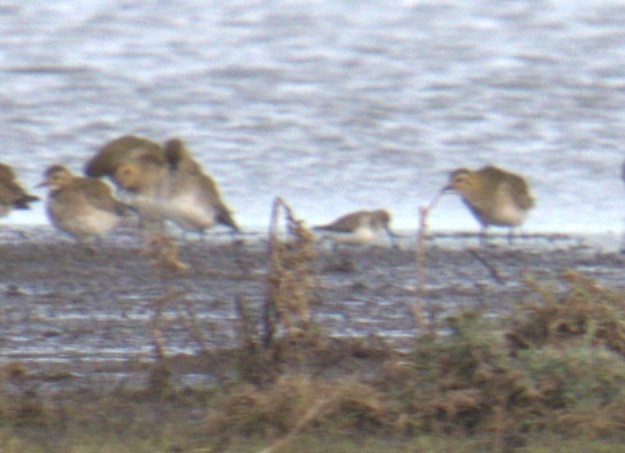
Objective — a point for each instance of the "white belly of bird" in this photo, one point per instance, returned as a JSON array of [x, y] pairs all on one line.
[[508, 214], [189, 213], [360, 235], [149, 212], [92, 222], [506, 211]]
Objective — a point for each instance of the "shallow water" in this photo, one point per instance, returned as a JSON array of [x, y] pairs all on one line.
[[63, 304], [333, 105]]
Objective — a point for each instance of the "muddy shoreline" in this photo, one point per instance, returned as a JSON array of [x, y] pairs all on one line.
[[74, 317]]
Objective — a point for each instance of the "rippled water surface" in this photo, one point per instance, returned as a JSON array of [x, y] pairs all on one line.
[[334, 105], [63, 304]]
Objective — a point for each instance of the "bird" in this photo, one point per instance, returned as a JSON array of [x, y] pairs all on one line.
[[493, 195], [191, 198], [82, 207], [143, 184], [358, 227], [12, 195], [163, 183], [137, 166], [121, 149]]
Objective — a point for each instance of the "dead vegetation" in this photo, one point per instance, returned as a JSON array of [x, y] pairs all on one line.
[[289, 277], [552, 366], [285, 334], [583, 310]]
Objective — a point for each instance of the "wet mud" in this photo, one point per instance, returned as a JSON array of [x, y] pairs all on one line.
[[74, 316]]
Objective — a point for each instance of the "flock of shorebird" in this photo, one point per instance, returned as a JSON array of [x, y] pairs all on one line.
[[159, 183]]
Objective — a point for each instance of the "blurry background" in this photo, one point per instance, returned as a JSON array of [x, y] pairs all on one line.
[[333, 105]]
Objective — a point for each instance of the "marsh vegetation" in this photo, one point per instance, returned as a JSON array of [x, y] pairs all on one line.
[[542, 371]]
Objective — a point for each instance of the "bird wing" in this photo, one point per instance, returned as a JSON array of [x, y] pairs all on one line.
[[177, 156], [99, 194], [346, 223], [520, 191], [126, 147], [492, 174], [519, 188]]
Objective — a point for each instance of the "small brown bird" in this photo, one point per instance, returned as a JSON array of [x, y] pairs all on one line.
[[192, 198], [81, 207], [12, 196], [359, 227], [494, 196]]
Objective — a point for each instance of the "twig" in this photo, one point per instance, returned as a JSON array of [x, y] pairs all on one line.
[[164, 260], [308, 417], [269, 308], [244, 325], [188, 319], [157, 334], [417, 306], [491, 269]]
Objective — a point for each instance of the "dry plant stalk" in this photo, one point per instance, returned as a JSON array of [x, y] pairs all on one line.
[[157, 341], [244, 323], [311, 415], [164, 254], [417, 306], [164, 259], [492, 270], [188, 319], [289, 282], [155, 324]]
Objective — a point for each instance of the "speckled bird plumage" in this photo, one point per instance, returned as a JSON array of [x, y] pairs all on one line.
[[81, 207], [494, 196]]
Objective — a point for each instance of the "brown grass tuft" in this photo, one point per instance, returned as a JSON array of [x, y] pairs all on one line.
[[289, 278], [164, 254], [284, 332], [298, 403], [582, 309]]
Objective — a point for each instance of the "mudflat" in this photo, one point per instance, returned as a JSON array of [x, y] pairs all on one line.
[[74, 316]]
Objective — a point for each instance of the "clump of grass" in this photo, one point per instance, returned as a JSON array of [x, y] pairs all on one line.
[[583, 309], [298, 403], [285, 330], [579, 388], [461, 383], [555, 365], [289, 278]]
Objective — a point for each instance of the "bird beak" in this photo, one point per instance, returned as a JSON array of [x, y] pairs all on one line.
[[43, 183], [447, 189]]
